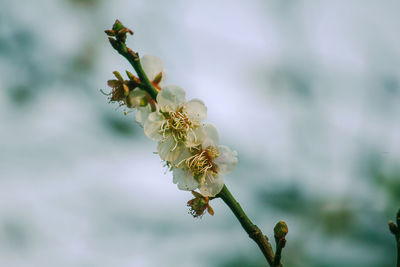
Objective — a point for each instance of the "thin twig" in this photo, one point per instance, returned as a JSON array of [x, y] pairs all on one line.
[[118, 43], [117, 40], [251, 229], [395, 230], [278, 253]]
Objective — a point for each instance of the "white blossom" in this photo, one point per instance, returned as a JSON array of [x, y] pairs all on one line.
[[176, 122], [202, 166]]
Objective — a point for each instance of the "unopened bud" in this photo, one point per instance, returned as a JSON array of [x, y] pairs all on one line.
[[393, 228], [280, 230], [117, 26]]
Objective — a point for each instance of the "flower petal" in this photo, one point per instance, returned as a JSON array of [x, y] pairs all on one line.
[[169, 150], [142, 115], [137, 98], [212, 186], [227, 159], [184, 179], [210, 136], [193, 138], [170, 97], [153, 124], [196, 110], [185, 154], [152, 66]]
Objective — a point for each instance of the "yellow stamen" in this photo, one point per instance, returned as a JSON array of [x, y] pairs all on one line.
[[202, 162], [178, 124]]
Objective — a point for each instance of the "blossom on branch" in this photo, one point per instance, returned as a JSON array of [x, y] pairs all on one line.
[[202, 166], [176, 123]]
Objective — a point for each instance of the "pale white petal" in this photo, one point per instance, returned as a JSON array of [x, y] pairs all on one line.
[[210, 137], [227, 159], [142, 114], [136, 98], [169, 150], [184, 179], [212, 185], [196, 110], [152, 66], [194, 137], [183, 156], [170, 97], [153, 125]]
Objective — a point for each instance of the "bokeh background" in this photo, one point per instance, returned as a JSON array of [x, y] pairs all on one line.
[[307, 92]]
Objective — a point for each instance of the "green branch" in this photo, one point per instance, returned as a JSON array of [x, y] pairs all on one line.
[[395, 230], [117, 38], [251, 229]]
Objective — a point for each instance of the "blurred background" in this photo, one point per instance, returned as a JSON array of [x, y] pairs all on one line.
[[307, 92]]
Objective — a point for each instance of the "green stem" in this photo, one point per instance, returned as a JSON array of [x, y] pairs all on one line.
[[395, 230], [251, 229], [397, 236], [278, 252], [134, 60]]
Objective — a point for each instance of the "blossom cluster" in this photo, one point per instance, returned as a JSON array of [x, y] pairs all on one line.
[[188, 145]]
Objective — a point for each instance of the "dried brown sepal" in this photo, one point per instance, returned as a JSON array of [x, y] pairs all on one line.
[[134, 54], [121, 87], [118, 76], [110, 32], [210, 210], [126, 89], [132, 77], [199, 205], [119, 31], [158, 78]]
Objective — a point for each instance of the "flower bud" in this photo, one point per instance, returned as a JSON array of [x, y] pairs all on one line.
[[280, 230], [393, 228]]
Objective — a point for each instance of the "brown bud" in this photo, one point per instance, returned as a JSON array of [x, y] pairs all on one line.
[[393, 228], [117, 26], [280, 230]]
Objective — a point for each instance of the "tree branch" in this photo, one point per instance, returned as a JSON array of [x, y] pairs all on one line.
[[251, 229], [395, 230], [117, 38]]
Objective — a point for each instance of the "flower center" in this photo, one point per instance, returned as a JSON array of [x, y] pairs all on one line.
[[202, 161], [178, 124]]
